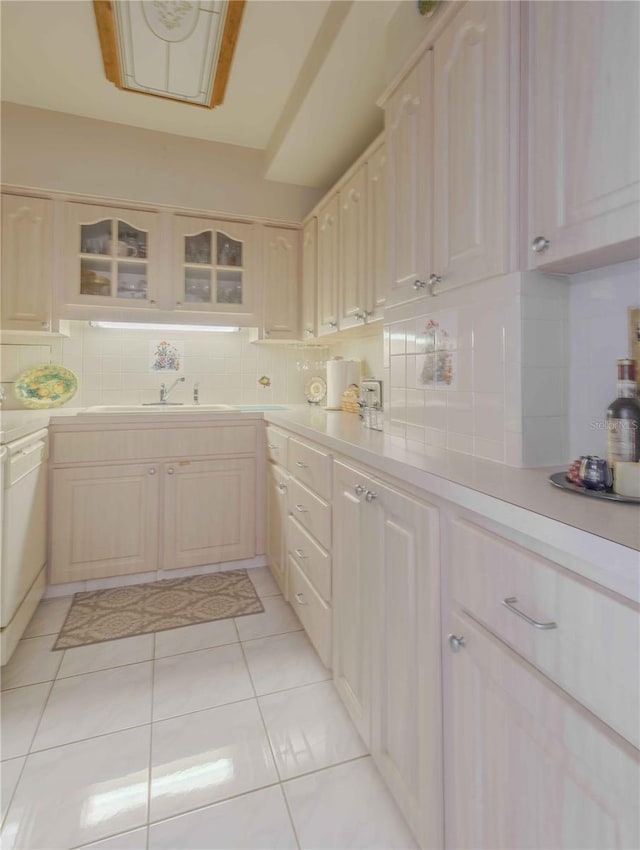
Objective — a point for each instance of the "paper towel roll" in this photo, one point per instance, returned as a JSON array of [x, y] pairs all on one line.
[[340, 373]]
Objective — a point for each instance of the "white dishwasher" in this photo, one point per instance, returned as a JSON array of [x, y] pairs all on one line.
[[23, 553]]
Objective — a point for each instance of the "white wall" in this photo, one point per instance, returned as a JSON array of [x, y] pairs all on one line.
[[67, 153], [598, 322]]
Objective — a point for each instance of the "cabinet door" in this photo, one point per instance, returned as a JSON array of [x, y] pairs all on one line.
[[408, 137], [209, 512], [377, 275], [352, 579], [276, 524], [104, 521], [112, 257], [406, 726], [471, 145], [26, 263], [327, 294], [281, 282], [584, 126], [353, 249], [213, 266], [526, 766], [309, 277]]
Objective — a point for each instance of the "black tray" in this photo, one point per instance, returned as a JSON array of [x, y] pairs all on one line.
[[559, 479]]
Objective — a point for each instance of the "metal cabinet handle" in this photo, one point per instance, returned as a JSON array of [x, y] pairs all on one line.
[[435, 278], [273, 448], [300, 599], [151, 470], [301, 465], [299, 553], [308, 332], [359, 489], [419, 284], [509, 603], [151, 303], [170, 471], [540, 244], [456, 643], [282, 487], [371, 495], [301, 509], [333, 324]]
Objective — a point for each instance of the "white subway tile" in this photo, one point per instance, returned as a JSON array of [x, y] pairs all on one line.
[[545, 392], [488, 416], [460, 413], [398, 371], [460, 442], [489, 449]]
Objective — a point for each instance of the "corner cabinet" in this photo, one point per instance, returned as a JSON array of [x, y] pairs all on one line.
[[214, 267], [27, 257], [281, 282], [112, 257], [584, 134]]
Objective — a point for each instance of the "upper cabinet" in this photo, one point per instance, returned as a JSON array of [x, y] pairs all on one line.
[[584, 122], [309, 277], [353, 253], [327, 290], [111, 257], [213, 266], [377, 279], [281, 252], [27, 257]]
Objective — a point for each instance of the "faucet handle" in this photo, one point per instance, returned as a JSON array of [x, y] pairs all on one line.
[[196, 393]]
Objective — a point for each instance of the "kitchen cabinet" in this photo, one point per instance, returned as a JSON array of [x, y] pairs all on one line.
[[353, 249], [112, 259], [281, 282], [584, 134], [139, 498], [377, 275], [387, 638], [327, 288], [471, 132], [27, 258], [214, 267], [309, 278], [526, 766], [277, 479]]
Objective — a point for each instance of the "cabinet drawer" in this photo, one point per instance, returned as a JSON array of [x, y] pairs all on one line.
[[314, 614], [311, 512], [314, 562], [593, 650], [311, 466], [276, 445], [139, 444]]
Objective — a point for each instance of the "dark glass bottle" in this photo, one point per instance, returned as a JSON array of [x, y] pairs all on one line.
[[623, 417]]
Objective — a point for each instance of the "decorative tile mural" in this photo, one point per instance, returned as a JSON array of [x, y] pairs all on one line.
[[166, 356], [435, 344]]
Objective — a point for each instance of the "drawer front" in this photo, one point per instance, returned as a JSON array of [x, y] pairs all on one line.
[[593, 652], [141, 444], [276, 441], [314, 614], [311, 466], [314, 562], [312, 513]]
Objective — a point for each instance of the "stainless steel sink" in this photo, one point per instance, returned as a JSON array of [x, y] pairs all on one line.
[[158, 408]]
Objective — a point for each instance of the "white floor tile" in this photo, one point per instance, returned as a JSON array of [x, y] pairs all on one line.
[[32, 662], [9, 773], [21, 710], [198, 680], [283, 661], [200, 636], [79, 793], [346, 806], [49, 617], [263, 581], [102, 656], [136, 840], [309, 729], [95, 704], [201, 758], [278, 617], [256, 821]]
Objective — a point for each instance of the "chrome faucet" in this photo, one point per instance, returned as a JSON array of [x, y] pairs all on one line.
[[164, 390]]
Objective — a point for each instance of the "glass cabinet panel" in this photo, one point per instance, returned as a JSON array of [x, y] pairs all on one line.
[[197, 285], [229, 251], [213, 266], [113, 259], [197, 249], [229, 287]]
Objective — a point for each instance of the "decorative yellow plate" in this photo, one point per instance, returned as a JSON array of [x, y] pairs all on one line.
[[315, 390], [45, 386]]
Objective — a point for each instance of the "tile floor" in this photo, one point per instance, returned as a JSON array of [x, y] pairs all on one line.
[[223, 735]]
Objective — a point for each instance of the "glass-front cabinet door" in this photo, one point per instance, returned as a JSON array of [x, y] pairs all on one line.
[[111, 256], [213, 266]]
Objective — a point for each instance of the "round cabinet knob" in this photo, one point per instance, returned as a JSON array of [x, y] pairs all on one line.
[[435, 278], [333, 324], [359, 489], [299, 553], [456, 643], [152, 303], [540, 244], [308, 332], [267, 333], [170, 471], [282, 487], [178, 303], [419, 284], [371, 495], [45, 325], [152, 470], [300, 599]]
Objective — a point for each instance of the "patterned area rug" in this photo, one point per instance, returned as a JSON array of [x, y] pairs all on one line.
[[102, 615]]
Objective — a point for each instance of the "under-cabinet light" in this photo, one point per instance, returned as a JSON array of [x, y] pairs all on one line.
[[144, 326]]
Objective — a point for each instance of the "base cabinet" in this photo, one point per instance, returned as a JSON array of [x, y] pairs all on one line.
[[277, 478], [526, 766]]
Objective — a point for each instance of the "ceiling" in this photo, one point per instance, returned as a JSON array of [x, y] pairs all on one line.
[[303, 83]]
